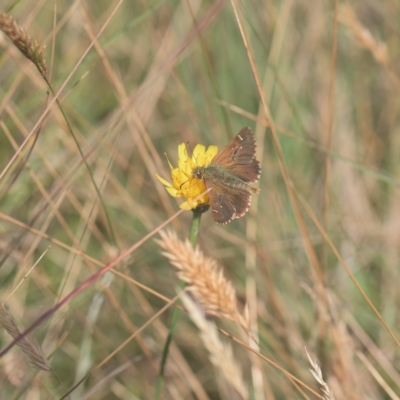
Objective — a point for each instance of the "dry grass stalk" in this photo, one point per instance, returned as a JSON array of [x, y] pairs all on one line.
[[28, 344], [220, 353], [29, 47], [204, 277], [317, 374], [363, 36], [14, 369]]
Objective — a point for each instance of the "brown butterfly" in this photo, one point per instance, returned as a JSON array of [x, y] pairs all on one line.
[[230, 175]]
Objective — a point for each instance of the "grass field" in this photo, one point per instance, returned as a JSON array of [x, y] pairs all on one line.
[[314, 266]]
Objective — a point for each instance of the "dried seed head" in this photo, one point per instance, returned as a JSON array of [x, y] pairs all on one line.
[[221, 354], [29, 47], [28, 344], [203, 275]]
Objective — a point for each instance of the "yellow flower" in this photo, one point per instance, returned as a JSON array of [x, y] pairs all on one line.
[[184, 183]]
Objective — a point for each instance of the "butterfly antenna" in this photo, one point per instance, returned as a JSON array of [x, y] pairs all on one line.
[[190, 185], [180, 187]]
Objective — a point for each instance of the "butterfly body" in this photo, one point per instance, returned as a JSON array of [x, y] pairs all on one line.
[[214, 174], [230, 176]]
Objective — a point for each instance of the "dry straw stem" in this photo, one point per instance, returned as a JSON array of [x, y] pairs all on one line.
[[377, 375], [28, 344], [29, 47], [204, 277], [220, 353], [317, 374], [363, 36]]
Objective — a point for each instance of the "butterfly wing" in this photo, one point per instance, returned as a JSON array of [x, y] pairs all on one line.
[[227, 203], [238, 157]]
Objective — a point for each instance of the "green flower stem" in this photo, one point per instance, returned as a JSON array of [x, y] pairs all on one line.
[[194, 230]]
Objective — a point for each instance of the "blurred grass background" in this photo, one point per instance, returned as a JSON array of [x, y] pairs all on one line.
[[167, 72]]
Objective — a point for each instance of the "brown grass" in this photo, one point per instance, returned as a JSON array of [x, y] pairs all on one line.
[[203, 275], [317, 374], [220, 353], [135, 80], [362, 35], [28, 344], [28, 46]]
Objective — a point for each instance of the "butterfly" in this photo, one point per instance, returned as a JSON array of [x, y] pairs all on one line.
[[230, 176]]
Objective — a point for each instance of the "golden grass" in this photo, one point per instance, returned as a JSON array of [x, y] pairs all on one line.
[[362, 35], [220, 353], [28, 344], [28, 46], [203, 276], [315, 261], [317, 374]]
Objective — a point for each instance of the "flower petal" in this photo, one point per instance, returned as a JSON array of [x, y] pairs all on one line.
[[185, 206], [163, 181], [182, 152], [170, 165], [198, 154], [210, 154], [173, 192]]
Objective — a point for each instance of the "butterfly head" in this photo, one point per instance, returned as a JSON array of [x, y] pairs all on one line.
[[198, 172]]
